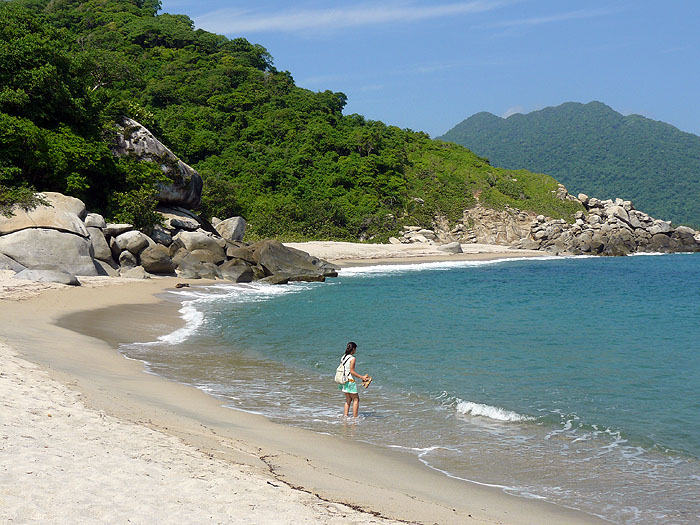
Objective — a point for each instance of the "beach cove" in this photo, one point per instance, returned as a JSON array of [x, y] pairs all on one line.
[[322, 477]]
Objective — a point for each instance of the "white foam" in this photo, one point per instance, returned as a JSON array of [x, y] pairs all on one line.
[[193, 320], [386, 269], [242, 293], [490, 412]]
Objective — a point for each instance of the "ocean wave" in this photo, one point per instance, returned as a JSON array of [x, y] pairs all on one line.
[[193, 320], [193, 298], [490, 412]]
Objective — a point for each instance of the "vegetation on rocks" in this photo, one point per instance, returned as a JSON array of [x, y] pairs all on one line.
[[285, 158]]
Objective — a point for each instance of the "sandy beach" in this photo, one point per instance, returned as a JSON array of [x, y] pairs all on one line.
[[87, 436]]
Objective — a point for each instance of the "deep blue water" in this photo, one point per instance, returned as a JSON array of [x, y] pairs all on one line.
[[570, 379]]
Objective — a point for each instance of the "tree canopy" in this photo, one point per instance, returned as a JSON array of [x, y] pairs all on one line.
[[593, 149], [285, 158]]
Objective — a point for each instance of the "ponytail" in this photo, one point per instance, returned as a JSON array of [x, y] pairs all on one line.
[[351, 346]]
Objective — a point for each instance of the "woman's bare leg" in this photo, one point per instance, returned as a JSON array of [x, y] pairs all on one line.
[[356, 404], [346, 408]]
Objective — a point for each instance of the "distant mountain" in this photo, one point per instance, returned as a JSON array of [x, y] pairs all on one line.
[[593, 149]]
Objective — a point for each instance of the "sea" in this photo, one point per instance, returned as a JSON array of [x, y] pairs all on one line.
[[572, 380]]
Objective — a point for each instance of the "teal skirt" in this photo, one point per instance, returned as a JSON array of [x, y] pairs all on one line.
[[349, 387]]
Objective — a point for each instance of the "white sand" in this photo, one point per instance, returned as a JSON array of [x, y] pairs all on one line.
[[342, 252], [61, 462]]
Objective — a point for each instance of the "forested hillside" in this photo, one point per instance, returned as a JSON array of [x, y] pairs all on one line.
[[591, 148], [285, 158]]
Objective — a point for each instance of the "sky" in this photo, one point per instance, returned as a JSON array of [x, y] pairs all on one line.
[[428, 65]]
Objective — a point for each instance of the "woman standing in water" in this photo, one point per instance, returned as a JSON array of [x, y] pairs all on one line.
[[349, 388]]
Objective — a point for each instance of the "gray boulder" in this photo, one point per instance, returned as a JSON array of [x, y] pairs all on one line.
[[105, 268], [189, 268], [185, 185], [133, 241], [179, 219], [160, 235], [100, 247], [200, 241], [685, 237], [620, 242], [451, 247], [6, 263], [137, 272], [660, 242], [112, 230], [47, 274], [237, 271], [155, 259], [60, 215], [208, 256], [231, 229], [127, 260], [276, 258], [68, 251], [95, 220]]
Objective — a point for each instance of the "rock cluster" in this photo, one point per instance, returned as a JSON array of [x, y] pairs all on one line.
[[477, 225], [608, 227], [61, 240]]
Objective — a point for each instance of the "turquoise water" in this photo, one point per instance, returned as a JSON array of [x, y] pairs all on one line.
[[570, 379]]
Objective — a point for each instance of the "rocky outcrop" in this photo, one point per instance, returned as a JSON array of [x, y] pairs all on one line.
[[608, 228], [185, 186], [184, 245], [477, 225], [36, 246]]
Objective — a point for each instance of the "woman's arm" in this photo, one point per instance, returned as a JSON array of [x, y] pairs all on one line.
[[352, 370]]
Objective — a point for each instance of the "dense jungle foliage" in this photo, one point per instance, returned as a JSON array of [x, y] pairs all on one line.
[[285, 158], [591, 148]]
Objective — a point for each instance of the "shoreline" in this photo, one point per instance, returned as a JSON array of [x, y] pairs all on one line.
[[308, 462]]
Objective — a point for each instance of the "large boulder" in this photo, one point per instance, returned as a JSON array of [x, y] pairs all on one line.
[[189, 267], [133, 241], [127, 260], [160, 235], [450, 247], [100, 247], [138, 272], [201, 241], [231, 229], [35, 246], [660, 242], [95, 220], [61, 214], [112, 230], [685, 237], [179, 219], [185, 185], [48, 274], [276, 258], [155, 259], [237, 271]]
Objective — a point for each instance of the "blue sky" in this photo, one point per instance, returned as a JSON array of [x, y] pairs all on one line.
[[428, 65]]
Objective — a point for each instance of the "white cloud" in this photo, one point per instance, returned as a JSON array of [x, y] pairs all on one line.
[[561, 17], [247, 21]]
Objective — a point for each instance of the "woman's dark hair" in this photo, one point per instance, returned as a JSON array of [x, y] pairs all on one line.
[[351, 346]]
